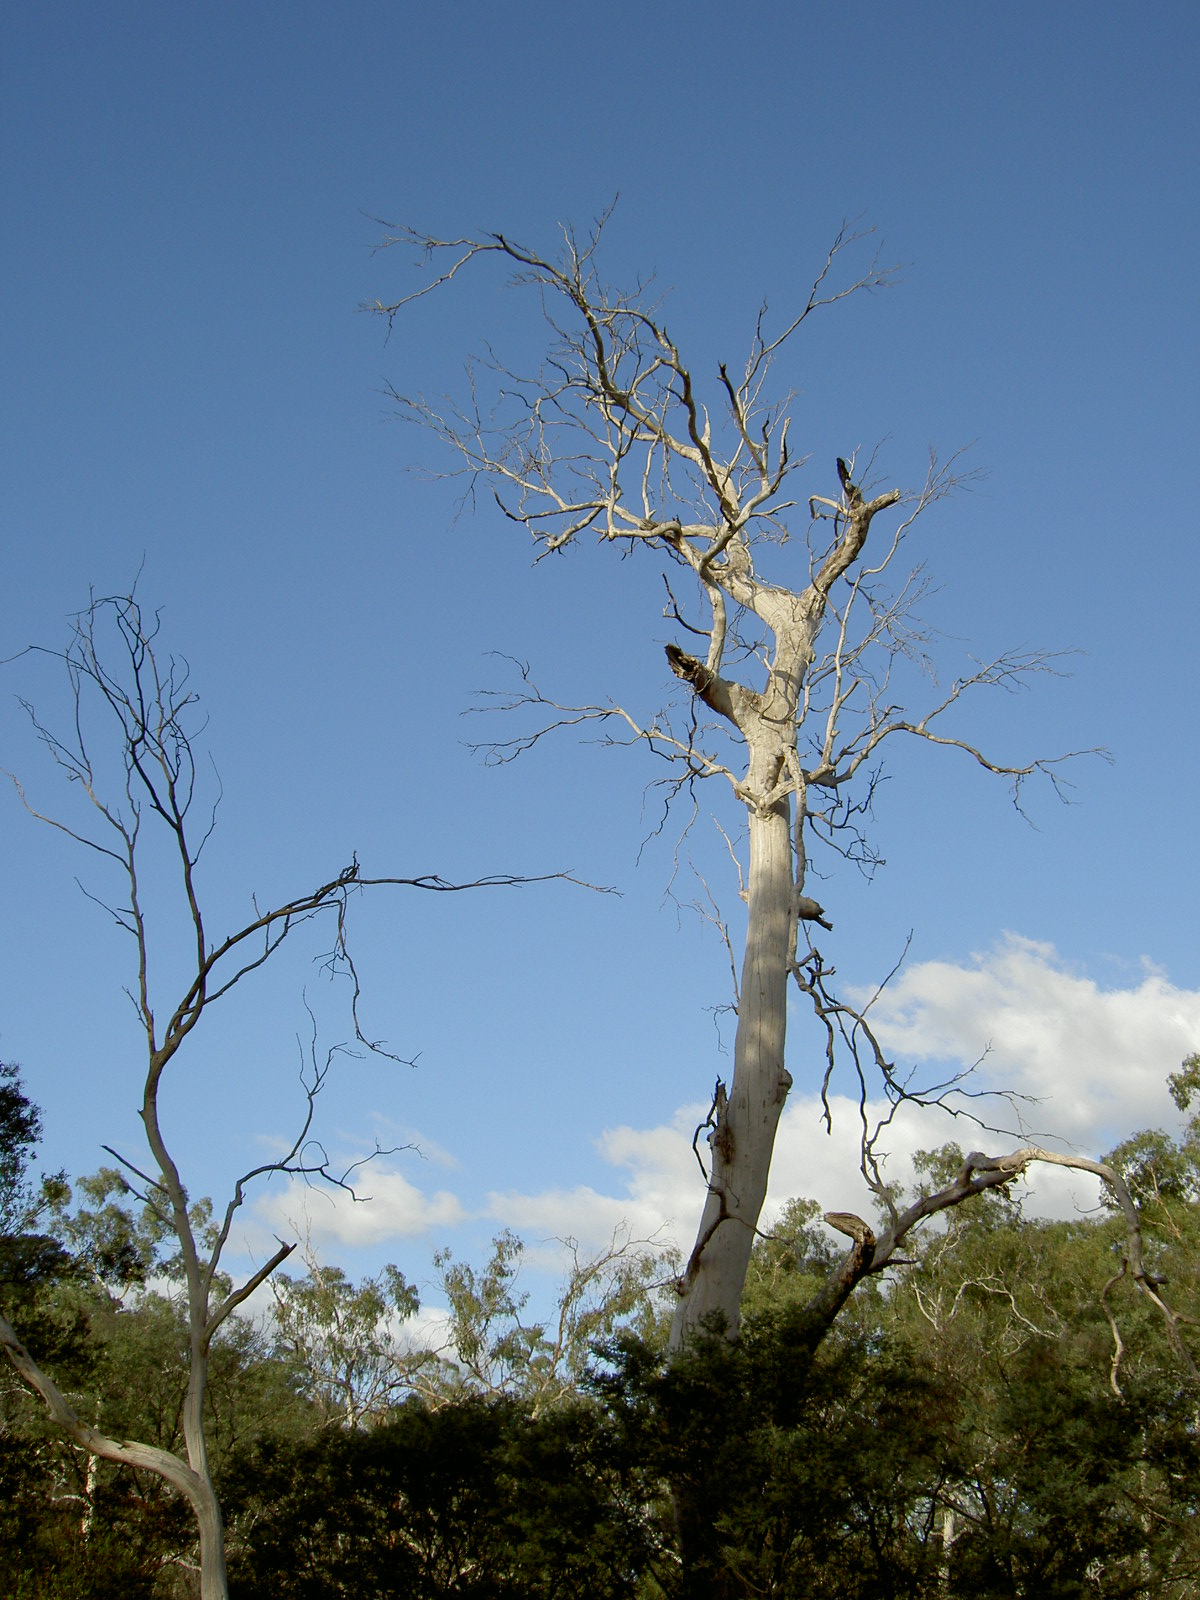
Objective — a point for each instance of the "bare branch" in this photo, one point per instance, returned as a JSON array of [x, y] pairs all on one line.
[[128, 1453], [1118, 1342], [980, 1172]]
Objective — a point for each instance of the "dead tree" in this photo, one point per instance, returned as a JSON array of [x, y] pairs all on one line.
[[131, 701], [792, 688]]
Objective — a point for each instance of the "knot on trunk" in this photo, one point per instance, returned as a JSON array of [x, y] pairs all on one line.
[[720, 1140]]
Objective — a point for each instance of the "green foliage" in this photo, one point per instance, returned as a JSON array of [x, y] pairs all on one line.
[[477, 1498], [789, 1265], [36, 1271], [1062, 1508], [1157, 1168], [792, 1475], [491, 1344], [122, 1244], [1185, 1084], [118, 1247], [493, 1351], [341, 1345], [20, 1133]]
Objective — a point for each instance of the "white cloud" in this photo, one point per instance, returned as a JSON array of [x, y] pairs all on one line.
[[660, 1190], [1095, 1058], [656, 1198], [388, 1207]]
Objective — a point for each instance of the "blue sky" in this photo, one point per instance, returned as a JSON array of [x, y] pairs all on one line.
[[190, 389]]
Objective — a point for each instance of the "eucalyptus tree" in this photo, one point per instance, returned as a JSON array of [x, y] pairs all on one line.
[[790, 690]]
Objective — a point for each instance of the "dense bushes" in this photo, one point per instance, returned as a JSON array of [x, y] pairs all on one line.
[[476, 1498]]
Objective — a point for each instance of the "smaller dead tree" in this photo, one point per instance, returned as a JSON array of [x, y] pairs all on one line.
[[132, 702]]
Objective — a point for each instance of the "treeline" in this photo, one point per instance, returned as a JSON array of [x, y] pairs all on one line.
[[1003, 1416]]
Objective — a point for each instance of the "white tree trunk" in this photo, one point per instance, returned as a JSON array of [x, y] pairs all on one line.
[[744, 1137]]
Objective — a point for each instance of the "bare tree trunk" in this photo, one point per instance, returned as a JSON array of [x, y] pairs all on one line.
[[212, 1544], [746, 1121], [949, 1534], [91, 1472], [609, 436]]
